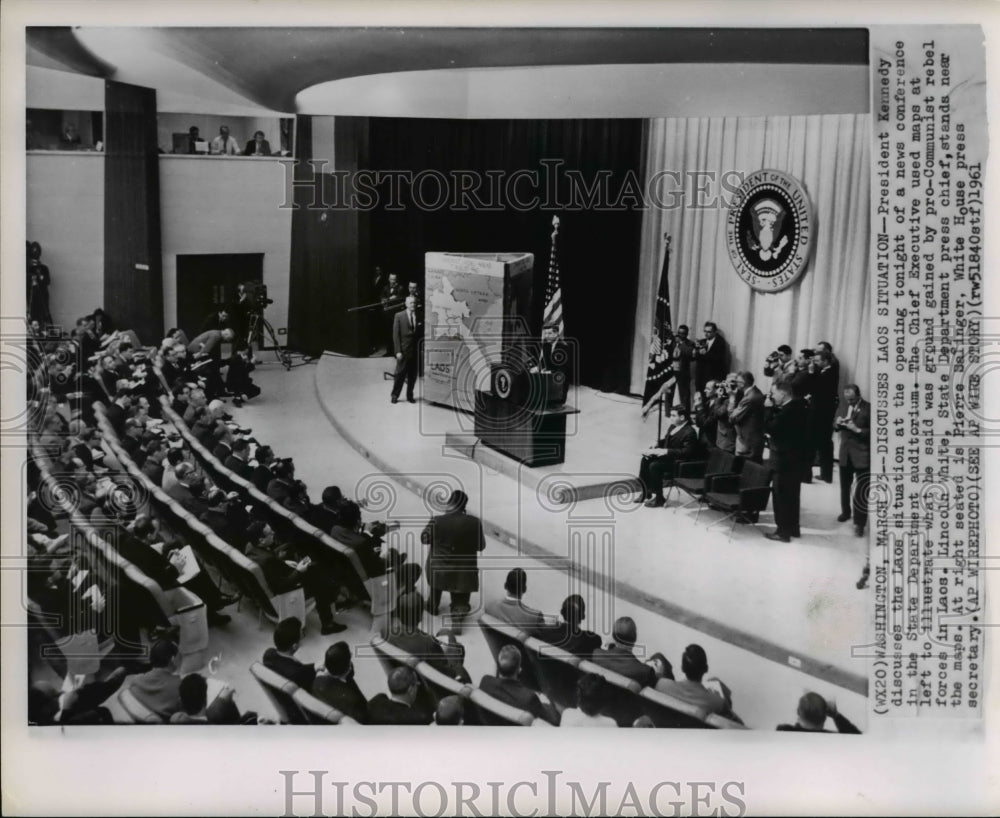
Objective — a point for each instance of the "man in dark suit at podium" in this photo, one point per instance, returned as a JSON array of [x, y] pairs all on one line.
[[406, 328], [680, 443]]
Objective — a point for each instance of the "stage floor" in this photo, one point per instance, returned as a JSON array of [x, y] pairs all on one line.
[[795, 604]]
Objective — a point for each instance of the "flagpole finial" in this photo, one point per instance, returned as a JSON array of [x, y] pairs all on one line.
[[667, 238], [555, 222]]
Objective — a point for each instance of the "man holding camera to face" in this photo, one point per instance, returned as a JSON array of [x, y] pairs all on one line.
[[711, 357]]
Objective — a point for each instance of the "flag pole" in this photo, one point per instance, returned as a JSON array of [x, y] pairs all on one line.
[[659, 418]]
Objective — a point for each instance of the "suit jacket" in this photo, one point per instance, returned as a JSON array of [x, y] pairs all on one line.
[[748, 419], [825, 396], [364, 545], [420, 644], [622, 660], [681, 357], [725, 432], [516, 693], [576, 641], [290, 667], [265, 148], [516, 613], [344, 696], [788, 429], [261, 477], [855, 447], [455, 539], [159, 690], [681, 443], [713, 364], [383, 710], [406, 339], [237, 466]]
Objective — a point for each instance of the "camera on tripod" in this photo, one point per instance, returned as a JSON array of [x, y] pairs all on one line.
[[257, 294]]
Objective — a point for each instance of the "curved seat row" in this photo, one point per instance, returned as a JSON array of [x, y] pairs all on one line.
[[325, 548], [481, 708], [294, 704], [554, 672], [236, 567]]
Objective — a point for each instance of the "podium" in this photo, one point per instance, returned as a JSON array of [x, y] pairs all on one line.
[[532, 435]]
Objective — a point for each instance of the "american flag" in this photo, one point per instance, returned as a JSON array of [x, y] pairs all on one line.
[[553, 315], [659, 374]]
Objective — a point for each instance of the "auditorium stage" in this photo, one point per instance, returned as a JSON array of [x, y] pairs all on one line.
[[795, 604]]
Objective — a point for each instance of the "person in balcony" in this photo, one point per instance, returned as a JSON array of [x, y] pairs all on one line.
[[258, 146], [224, 144]]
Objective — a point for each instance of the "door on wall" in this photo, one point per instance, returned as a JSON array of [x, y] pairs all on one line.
[[207, 282]]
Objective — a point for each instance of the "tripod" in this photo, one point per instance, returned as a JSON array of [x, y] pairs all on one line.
[[257, 323]]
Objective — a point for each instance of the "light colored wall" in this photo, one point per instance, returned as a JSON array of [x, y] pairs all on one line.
[[65, 214], [226, 205]]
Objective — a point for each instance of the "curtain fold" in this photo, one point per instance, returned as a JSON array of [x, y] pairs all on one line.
[[829, 155]]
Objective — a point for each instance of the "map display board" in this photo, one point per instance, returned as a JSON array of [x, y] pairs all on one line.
[[477, 307]]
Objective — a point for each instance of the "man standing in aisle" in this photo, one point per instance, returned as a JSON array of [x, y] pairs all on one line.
[[406, 329], [854, 458], [788, 430]]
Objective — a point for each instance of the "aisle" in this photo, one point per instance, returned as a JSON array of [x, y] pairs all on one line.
[[288, 417]]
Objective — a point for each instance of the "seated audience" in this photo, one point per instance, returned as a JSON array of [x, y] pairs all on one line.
[[591, 692], [285, 568], [195, 708], [694, 666], [239, 461], [450, 712], [507, 687], [262, 475], [811, 716], [349, 531], [568, 634], [618, 656], [159, 688], [511, 609], [401, 705], [403, 631], [336, 685], [258, 146], [281, 658]]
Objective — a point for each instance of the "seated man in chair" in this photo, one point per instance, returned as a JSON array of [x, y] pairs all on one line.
[[659, 462]]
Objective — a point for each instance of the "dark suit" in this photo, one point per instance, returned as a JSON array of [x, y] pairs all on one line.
[[265, 148], [289, 667], [712, 364], [406, 341], [516, 613], [680, 362], [455, 538], [238, 466], [681, 444], [855, 462], [516, 693], [747, 418], [572, 640], [383, 710], [788, 429], [621, 660], [345, 696], [824, 409]]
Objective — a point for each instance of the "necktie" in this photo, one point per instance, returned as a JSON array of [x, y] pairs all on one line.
[[412, 325]]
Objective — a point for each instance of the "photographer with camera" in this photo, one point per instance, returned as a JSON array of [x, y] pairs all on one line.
[[779, 362], [711, 356], [681, 356], [238, 380]]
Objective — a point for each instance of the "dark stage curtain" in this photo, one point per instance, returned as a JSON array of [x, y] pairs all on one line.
[[598, 247]]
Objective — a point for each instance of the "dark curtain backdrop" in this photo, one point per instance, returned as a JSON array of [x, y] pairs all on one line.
[[598, 249]]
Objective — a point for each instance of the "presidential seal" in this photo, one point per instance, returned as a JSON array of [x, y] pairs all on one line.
[[769, 230]]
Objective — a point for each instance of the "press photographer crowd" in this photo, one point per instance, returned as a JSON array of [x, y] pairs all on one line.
[[724, 421]]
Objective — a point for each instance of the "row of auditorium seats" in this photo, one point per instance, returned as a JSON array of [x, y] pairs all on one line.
[[146, 604], [235, 567], [294, 704], [480, 707], [322, 547], [548, 670]]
